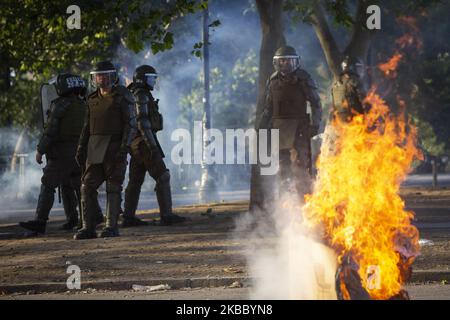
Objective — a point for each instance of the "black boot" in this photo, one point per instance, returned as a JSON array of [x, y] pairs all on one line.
[[172, 219], [113, 200], [164, 197], [132, 193], [133, 222], [89, 205], [70, 225], [35, 226], [44, 205]]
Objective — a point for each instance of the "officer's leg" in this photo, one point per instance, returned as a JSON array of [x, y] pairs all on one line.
[[158, 171], [69, 200], [301, 168], [49, 181], [114, 181], [136, 176], [91, 180], [68, 193], [284, 174]]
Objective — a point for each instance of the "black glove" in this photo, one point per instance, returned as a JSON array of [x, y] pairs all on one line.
[[122, 154]]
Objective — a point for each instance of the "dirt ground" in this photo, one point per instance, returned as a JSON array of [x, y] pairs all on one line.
[[205, 247]]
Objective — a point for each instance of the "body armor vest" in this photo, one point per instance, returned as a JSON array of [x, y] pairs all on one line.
[[73, 120], [105, 115], [345, 99], [289, 101]]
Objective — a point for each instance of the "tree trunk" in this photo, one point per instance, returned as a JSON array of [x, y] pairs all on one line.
[[357, 47], [271, 18]]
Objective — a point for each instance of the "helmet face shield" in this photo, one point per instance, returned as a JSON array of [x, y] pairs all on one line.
[[150, 79], [286, 64], [103, 79], [356, 67]]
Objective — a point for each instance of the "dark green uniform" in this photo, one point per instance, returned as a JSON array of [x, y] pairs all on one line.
[[346, 97], [59, 144], [105, 140], [285, 109], [147, 156]]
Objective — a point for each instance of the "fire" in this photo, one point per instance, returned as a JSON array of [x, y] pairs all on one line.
[[411, 38], [356, 202], [389, 68]]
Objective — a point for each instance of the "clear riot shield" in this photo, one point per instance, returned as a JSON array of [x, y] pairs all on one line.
[[48, 94]]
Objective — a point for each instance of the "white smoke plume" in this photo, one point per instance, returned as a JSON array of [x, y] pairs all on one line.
[[20, 175], [284, 260]]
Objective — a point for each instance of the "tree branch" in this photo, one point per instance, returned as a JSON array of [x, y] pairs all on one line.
[[361, 37], [326, 39]]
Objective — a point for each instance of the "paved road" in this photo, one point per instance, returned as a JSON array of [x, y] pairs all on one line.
[[416, 292]]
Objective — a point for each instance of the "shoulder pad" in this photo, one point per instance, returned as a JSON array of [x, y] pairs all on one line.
[[304, 76], [62, 102], [93, 94], [60, 105], [274, 75], [141, 95], [123, 91]]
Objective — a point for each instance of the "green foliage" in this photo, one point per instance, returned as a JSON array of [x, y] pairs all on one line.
[[232, 95], [428, 139], [22, 104], [36, 43], [338, 10]]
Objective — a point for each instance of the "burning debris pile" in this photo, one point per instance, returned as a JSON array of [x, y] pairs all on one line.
[[356, 201], [356, 205]]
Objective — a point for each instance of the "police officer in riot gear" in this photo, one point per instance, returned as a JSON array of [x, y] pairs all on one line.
[[347, 96], [347, 92], [146, 152], [287, 92], [103, 147], [59, 144]]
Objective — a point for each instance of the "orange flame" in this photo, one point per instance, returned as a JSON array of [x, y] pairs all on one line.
[[411, 38], [389, 68], [356, 199]]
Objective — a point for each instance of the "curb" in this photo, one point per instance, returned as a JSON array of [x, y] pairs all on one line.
[[419, 276], [209, 282]]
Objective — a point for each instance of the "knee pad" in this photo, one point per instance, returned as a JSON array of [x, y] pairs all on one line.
[[87, 189], [163, 181], [165, 177]]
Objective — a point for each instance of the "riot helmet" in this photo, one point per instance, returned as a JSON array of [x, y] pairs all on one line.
[[286, 60], [145, 75], [104, 75], [66, 83], [354, 66]]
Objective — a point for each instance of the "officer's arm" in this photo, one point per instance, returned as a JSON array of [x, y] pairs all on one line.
[[310, 89], [84, 136], [143, 122], [129, 121], [52, 127], [266, 113]]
